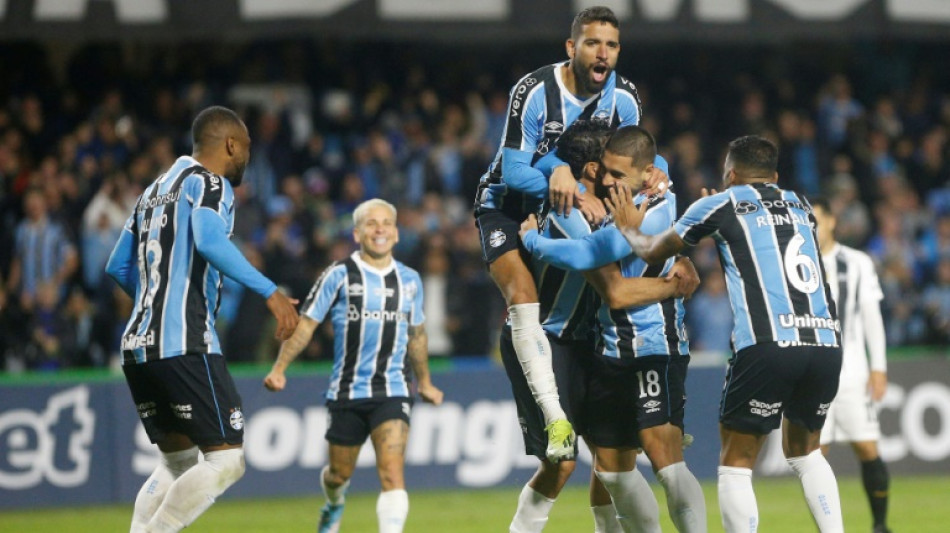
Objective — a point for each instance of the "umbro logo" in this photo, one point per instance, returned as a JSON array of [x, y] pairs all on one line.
[[355, 289], [652, 406]]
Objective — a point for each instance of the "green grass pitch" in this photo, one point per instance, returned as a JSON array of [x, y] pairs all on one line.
[[918, 504]]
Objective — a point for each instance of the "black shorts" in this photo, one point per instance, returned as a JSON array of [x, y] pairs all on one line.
[[499, 231], [192, 394], [570, 360], [627, 395], [764, 381], [351, 421]]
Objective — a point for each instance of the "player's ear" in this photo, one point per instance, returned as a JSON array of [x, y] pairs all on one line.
[[230, 144], [590, 170], [569, 46], [775, 177]]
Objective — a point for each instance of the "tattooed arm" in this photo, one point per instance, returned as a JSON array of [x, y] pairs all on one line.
[[418, 352], [289, 350]]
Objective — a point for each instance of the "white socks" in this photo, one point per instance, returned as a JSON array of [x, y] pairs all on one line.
[[534, 354], [634, 501], [684, 498], [392, 508], [334, 496], [605, 519], [532, 512], [740, 512], [195, 490], [150, 496], [821, 490]]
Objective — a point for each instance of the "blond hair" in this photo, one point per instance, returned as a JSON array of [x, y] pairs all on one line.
[[359, 214]]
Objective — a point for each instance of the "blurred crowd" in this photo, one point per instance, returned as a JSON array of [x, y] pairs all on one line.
[[84, 129]]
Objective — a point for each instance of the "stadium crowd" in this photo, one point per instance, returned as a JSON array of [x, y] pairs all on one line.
[[83, 130]]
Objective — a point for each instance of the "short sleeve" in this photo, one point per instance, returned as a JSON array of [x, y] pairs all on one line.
[[414, 289], [703, 218], [325, 292], [870, 290], [525, 115], [206, 189]]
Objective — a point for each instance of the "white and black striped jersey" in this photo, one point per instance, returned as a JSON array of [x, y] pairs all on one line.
[[857, 293]]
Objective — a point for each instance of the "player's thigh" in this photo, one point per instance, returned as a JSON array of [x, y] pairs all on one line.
[[661, 400], [610, 405], [389, 441], [502, 251], [759, 382], [816, 387], [852, 417], [201, 400]]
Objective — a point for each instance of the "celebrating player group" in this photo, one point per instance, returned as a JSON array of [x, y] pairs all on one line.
[[580, 232]]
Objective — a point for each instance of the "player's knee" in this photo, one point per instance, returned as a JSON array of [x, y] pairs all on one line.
[[229, 464], [391, 479], [336, 477], [561, 470]]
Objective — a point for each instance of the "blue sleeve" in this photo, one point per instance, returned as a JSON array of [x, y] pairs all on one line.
[[121, 265], [520, 175], [661, 163], [324, 292], [629, 107], [591, 251], [212, 242], [417, 317], [702, 218], [548, 163]]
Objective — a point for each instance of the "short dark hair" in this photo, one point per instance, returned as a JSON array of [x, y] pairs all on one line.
[[822, 202], [634, 142], [582, 143], [209, 123], [593, 14], [754, 157]]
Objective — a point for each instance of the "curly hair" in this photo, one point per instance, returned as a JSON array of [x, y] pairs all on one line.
[[582, 143]]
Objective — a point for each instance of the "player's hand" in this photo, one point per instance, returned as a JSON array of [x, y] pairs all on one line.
[[591, 207], [708, 192], [275, 381], [530, 223], [684, 274], [430, 393], [285, 311], [621, 206], [877, 385], [562, 187], [658, 183]]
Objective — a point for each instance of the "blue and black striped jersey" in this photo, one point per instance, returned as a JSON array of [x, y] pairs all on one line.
[[178, 291], [567, 302], [540, 108], [769, 253], [655, 329], [371, 311]]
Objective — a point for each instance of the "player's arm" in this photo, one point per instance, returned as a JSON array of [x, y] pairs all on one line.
[[121, 264], [585, 253], [418, 352], [628, 217], [620, 292], [276, 380], [870, 308]]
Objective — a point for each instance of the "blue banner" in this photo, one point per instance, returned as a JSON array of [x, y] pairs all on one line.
[[82, 443]]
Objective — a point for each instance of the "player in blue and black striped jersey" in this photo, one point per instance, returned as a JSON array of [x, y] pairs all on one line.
[[375, 305], [541, 105], [170, 259], [635, 396], [786, 333]]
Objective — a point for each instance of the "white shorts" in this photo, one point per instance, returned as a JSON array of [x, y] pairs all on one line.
[[852, 417]]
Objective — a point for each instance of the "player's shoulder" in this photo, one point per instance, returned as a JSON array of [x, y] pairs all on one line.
[[622, 83], [536, 77], [570, 226], [405, 271], [856, 256]]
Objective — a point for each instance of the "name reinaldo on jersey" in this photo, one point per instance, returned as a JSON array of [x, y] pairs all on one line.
[[354, 315]]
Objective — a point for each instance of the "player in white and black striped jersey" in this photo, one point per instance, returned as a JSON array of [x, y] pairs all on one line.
[[852, 417]]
